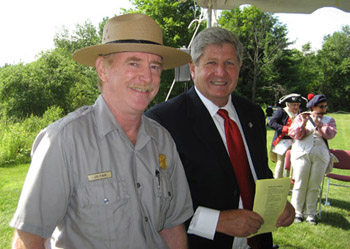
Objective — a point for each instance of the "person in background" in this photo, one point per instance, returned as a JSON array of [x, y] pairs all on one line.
[[105, 176], [310, 156], [201, 121], [280, 122], [269, 114]]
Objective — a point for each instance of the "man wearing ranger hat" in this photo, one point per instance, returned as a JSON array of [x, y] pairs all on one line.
[[280, 122], [106, 176]]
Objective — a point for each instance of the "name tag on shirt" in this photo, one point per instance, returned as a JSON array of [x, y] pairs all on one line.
[[100, 176]]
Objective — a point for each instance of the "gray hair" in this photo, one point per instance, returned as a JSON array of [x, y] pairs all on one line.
[[214, 36]]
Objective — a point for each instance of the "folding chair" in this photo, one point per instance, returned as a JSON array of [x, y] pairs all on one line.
[[344, 164]]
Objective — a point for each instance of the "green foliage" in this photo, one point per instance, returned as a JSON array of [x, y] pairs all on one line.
[[15, 145], [53, 80], [84, 35], [16, 138], [335, 61]]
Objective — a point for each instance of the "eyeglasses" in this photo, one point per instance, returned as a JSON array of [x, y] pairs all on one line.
[[323, 106]]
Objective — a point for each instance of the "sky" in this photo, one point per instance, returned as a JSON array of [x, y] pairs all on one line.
[[29, 26]]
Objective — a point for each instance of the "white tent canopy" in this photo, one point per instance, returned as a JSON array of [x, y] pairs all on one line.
[[277, 6]]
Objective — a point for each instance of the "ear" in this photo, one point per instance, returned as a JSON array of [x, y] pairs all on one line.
[[101, 68], [192, 70]]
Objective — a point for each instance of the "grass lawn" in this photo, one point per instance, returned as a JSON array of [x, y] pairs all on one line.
[[11, 181], [332, 232]]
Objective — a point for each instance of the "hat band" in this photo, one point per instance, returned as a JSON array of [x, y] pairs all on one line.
[[133, 41]]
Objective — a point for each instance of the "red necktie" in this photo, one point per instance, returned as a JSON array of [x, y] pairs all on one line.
[[239, 160]]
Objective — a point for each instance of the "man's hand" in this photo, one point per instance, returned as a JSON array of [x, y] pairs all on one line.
[[305, 117], [239, 222], [287, 216]]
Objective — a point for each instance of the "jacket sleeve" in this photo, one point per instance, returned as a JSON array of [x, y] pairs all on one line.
[[276, 121]]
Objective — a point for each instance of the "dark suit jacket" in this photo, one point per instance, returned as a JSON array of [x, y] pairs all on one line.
[[205, 159]]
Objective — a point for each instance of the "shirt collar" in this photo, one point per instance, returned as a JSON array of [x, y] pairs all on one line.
[[212, 108], [105, 120]]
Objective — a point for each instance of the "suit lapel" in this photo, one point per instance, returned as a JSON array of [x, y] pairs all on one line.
[[205, 130], [246, 121]]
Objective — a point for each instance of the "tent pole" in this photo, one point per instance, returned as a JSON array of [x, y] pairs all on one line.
[[209, 16]]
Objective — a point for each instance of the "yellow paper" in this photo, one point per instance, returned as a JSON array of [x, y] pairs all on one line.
[[270, 201]]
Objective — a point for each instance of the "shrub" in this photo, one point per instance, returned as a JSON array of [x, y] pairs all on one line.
[[16, 138]]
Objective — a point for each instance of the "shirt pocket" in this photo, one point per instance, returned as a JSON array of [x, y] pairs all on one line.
[[102, 210], [164, 193]]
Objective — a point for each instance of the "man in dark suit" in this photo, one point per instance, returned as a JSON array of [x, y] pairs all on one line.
[[198, 130]]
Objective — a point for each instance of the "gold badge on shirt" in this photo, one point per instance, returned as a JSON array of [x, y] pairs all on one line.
[[100, 176], [162, 161]]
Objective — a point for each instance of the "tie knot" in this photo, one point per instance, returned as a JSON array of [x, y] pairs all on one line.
[[223, 113]]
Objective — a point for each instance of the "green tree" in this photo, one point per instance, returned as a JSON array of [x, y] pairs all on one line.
[[311, 75], [84, 35], [334, 58], [264, 39], [298, 72], [53, 80], [17, 93]]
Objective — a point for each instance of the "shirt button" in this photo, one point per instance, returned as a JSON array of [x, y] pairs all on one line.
[[138, 185], [106, 201], [146, 219]]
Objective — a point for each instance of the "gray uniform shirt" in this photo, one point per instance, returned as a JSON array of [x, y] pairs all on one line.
[[88, 186]]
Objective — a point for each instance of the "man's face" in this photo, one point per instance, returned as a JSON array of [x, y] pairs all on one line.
[[217, 72], [294, 107], [131, 81]]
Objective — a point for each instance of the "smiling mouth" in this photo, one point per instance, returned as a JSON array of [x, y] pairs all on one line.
[[142, 89], [217, 83]]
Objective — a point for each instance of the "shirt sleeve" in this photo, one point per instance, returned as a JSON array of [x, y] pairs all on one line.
[[328, 130], [204, 222], [297, 130], [44, 196]]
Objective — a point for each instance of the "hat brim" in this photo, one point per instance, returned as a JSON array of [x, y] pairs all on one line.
[[172, 57]]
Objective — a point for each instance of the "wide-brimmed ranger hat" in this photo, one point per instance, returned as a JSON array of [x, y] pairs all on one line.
[[132, 33]]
